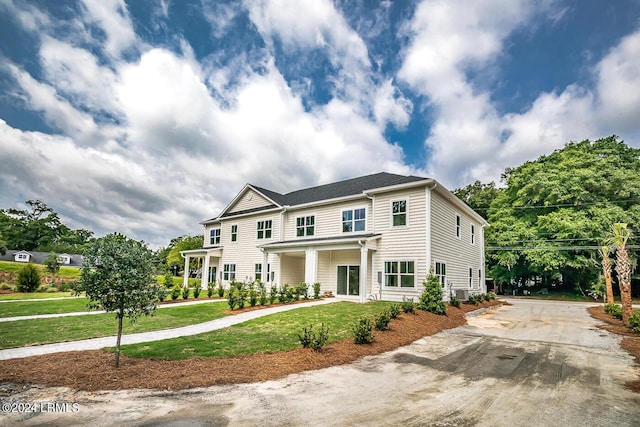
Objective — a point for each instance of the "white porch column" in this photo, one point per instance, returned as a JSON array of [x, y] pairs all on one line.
[[364, 270], [205, 272], [185, 282], [310, 266]]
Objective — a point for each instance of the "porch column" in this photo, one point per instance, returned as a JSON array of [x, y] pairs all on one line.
[[310, 266], [205, 272], [364, 270], [185, 283], [265, 268]]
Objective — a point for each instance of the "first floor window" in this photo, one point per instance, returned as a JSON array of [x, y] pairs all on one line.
[[441, 272], [229, 272], [399, 274], [234, 233], [258, 271], [354, 220], [305, 226], [264, 229], [399, 213], [214, 236]]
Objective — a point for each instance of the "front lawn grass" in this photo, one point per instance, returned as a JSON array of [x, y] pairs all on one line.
[[45, 331], [30, 308], [275, 332], [34, 295]]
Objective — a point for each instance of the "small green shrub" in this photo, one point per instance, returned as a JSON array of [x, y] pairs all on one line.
[[283, 293], [382, 320], [491, 296], [486, 297], [291, 294], [363, 331], [231, 298], [273, 294], [28, 278], [64, 287], [475, 299], [316, 290], [43, 288], [614, 310], [303, 290], [309, 339], [395, 310], [408, 306], [211, 288], [220, 289], [5, 287], [262, 292], [162, 293], [253, 295], [168, 280], [431, 298], [634, 321], [185, 292], [196, 291], [175, 292], [454, 301]]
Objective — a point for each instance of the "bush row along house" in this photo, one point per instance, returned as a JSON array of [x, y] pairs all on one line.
[[372, 237]]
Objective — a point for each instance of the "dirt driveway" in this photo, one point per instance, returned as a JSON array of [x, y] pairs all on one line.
[[533, 363]]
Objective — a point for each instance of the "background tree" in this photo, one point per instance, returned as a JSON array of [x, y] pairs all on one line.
[[117, 277], [52, 264], [28, 278], [620, 237], [3, 246], [606, 270], [478, 196], [182, 243]]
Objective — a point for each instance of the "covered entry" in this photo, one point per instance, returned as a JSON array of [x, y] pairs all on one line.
[[348, 280]]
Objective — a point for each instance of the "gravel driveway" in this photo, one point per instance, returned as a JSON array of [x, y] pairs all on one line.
[[535, 363]]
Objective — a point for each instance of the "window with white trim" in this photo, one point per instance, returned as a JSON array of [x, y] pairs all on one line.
[[470, 277], [479, 278], [458, 226], [441, 272], [258, 272], [264, 229], [399, 213], [234, 233], [354, 220], [305, 226], [399, 274], [23, 256], [473, 234], [228, 272], [214, 236]]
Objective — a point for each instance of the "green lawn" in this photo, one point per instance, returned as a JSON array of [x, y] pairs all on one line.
[[276, 332], [34, 295], [44, 331], [28, 308], [13, 267]]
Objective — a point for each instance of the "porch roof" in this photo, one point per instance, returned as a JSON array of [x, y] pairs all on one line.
[[324, 241], [202, 252]]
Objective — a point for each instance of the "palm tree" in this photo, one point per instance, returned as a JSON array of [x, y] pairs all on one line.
[[620, 236], [606, 269]]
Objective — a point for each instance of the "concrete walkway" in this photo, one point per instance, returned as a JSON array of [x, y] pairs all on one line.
[[84, 313], [98, 343]]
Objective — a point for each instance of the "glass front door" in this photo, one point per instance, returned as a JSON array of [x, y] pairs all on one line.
[[348, 280]]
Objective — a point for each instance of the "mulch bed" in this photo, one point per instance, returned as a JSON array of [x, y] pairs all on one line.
[[630, 342], [94, 370]]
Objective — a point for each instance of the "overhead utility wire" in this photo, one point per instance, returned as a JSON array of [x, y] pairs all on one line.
[[558, 205]]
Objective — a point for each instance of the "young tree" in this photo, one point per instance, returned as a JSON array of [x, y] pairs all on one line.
[[606, 269], [117, 277], [620, 236], [52, 264], [431, 298]]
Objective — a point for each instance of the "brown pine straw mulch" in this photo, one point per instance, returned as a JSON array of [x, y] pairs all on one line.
[[630, 342], [94, 370]]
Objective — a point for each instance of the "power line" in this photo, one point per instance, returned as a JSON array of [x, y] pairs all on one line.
[[485, 208], [549, 248]]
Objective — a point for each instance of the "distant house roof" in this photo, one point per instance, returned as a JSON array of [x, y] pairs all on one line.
[[39, 257]]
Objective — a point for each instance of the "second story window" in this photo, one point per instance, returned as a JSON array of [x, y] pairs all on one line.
[[458, 226], [214, 236], [473, 234], [234, 233], [399, 213], [354, 220], [264, 229], [305, 226]]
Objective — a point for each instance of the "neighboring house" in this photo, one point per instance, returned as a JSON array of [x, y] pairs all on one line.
[[70, 260], [372, 237]]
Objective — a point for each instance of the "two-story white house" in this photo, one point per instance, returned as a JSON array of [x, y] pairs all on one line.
[[372, 237]]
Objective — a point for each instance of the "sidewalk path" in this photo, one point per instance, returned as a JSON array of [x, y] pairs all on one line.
[[98, 343], [84, 313]]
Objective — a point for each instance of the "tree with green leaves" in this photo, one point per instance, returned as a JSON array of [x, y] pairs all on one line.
[[431, 298], [619, 237], [478, 196], [116, 276], [3, 246], [182, 243], [52, 264]]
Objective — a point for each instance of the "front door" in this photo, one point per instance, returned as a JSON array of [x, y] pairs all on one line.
[[348, 280], [213, 272]]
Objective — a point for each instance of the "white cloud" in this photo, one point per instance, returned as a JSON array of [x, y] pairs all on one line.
[[113, 17]]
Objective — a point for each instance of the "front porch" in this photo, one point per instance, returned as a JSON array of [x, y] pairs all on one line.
[[210, 258]]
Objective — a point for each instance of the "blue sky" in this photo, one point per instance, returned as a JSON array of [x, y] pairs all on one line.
[[146, 117]]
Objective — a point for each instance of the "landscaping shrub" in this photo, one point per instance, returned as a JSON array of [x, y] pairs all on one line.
[[211, 288], [28, 278], [634, 321], [291, 293], [283, 293], [64, 287], [240, 291], [454, 301], [168, 280], [431, 298], [382, 320], [175, 291], [43, 288], [614, 310], [185, 292], [408, 306], [475, 299], [273, 294], [309, 339], [5, 287], [162, 293], [231, 298], [303, 290], [394, 310], [220, 290], [196, 291], [316, 290], [491, 296], [363, 331], [253, 295], [262, 292]]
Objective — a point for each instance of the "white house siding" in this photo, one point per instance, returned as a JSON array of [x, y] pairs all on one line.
[[328, 219], [249, 200], [400, 243], [458, 253], [292, 269]]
